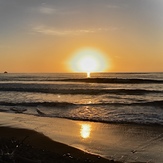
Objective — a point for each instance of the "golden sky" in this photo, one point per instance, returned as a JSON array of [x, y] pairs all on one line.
[[43, 35]]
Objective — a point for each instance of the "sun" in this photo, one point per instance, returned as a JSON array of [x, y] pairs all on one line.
[[88, 61]]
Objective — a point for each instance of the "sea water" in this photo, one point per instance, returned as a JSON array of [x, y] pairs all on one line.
[[104, 97]]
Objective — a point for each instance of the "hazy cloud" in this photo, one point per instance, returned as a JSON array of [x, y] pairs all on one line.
[[44, 10], [118, 6], [57, 32], [47, 10], [50, 10]]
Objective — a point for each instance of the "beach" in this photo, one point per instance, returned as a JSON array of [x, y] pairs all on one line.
[[125, 143], [46, 149], [38, 148], [81, 81]]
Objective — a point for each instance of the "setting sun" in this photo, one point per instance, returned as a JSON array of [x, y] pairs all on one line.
[[88, 60]]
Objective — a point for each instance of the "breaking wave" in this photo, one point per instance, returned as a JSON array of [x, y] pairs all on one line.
[[114, 80], [43, 88], [67, 104]]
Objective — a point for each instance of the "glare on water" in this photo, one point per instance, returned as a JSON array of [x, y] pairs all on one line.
[[85, 130]]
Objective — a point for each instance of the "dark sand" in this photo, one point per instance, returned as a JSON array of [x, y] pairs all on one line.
[[120, 142], [30, 146]]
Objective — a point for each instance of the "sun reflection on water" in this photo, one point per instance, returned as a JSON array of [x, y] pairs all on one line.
[[88, 74], [85, 130]]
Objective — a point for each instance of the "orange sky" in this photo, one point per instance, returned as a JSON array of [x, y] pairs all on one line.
[[42, 37]]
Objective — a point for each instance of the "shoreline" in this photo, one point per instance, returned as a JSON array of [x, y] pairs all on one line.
[[119, 142], [42, 142]]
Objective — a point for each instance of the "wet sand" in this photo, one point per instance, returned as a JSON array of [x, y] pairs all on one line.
[[36, 147], [119, 142]]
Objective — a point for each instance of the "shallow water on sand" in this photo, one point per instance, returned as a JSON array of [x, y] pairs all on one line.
[[128, 143]]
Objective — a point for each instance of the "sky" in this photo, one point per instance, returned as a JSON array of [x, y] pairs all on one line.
[[44, 35]]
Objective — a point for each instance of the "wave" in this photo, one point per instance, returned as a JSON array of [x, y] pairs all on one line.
[[110, 80], [114, 80], [96, 119], [154, 122], [67, 104], [84, 91], [36, 104], [38, 88], [72, 111], [149, 103]]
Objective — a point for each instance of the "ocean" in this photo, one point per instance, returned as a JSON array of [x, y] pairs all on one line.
[[135, 98]]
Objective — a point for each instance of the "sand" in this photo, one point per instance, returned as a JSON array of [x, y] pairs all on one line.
[[32, 146], [119, 142], [35, 144]]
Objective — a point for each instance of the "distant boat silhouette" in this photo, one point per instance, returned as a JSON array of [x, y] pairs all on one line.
[[5, 72]]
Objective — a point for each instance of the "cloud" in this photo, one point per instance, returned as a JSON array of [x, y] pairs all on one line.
[[44, 9], [57, 32], [51, 10], [61, 32], [47, 10], [120, 6]]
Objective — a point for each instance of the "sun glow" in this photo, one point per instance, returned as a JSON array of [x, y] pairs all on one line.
[[88, 60], [85, 131]]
